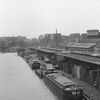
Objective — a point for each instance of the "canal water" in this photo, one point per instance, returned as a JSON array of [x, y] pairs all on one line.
[[19, 82]]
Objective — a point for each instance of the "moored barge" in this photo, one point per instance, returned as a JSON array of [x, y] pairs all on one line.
[[39, 73], [45, 69], [64, 87], [34, 64]]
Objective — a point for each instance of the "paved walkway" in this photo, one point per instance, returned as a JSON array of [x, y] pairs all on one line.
[[89, 90]]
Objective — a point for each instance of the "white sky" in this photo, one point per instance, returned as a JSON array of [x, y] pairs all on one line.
[[32, 18]]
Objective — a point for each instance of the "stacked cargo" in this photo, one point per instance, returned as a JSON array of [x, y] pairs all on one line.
[[76, 71], [98, 79], [64, 67], [92, 77], [82, 73], [67, 68]]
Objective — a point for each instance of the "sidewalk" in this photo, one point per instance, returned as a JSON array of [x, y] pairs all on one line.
[[89, 90]]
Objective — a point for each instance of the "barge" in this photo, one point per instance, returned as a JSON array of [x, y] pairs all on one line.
[[44, 69], [64, 87], [34, 64], [39, 73]]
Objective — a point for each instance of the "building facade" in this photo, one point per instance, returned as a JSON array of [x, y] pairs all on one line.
[[84, 48]]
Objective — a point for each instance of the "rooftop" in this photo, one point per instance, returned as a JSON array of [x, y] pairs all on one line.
[[81, 45], [93, 30], [85, 58]]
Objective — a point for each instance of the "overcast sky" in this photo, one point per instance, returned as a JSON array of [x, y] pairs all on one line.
[[32, 18]]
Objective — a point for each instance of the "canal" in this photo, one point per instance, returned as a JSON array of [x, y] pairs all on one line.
[[19, 82]]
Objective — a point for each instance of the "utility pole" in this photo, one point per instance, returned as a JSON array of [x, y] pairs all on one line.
[[56, 30], [56, 38]]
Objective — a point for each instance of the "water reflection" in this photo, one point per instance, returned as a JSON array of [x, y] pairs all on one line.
[[19, 82]]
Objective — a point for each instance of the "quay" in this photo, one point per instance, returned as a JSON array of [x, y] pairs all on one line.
[[71, 63]]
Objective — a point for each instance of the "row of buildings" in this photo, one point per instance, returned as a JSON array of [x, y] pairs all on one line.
[[9, 44], [86, 43]]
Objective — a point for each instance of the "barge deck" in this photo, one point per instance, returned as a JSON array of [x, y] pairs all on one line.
[[66, 89]]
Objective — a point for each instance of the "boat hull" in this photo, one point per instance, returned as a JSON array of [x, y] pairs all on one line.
[[59, 90], [39, 73]]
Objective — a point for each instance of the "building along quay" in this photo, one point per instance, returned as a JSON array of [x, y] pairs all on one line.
[[81, 68], [19, 82]]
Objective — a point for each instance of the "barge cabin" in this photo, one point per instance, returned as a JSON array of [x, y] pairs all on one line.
[[35, 64], [64, 87]]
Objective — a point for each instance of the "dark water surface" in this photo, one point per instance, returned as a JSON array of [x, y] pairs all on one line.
[[19, 82]]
